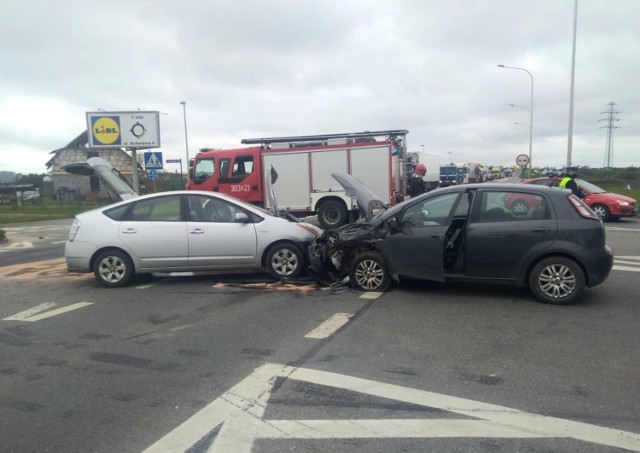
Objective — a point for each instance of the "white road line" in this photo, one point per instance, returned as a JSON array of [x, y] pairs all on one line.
[[330, 326], [30, 312], [370, 295], [242, 408], [59, 311], [617, 261], [637, 258], [59, 242], [625, 268]]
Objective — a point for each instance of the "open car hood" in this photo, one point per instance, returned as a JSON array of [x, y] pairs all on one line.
[[367, 201], [109, 176]]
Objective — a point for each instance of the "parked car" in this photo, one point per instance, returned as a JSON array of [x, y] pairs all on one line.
[[466, 233], [181, 231], [608, 206]]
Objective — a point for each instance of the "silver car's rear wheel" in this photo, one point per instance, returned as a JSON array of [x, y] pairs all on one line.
[[369, 273], [557, 280], [285, 261], [113, 268]]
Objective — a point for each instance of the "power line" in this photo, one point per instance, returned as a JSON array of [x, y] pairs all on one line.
[[610, 120]]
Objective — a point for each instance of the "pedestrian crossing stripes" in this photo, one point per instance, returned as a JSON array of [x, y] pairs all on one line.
[[626, 263]]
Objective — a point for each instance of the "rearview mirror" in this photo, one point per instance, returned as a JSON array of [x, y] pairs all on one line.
[[393, 223], [241, 217]]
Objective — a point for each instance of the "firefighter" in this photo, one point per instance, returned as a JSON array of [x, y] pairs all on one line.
[[416, 184], [568, 181]]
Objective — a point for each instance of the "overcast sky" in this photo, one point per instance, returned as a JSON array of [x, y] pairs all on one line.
[[279, 68]]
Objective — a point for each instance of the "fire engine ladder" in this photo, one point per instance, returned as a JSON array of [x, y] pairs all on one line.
[[321, 140]]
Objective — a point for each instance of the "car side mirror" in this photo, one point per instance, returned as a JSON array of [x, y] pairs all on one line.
[[241, 217], [393, 224]]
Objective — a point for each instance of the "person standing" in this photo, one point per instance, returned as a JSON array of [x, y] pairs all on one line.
[[416, 184], [568, 181]]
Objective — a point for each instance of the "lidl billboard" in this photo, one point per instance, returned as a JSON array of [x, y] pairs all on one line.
[[135, 130]]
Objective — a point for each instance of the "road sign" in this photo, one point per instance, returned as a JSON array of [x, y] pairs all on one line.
[[153, 175], [174, 161], [153, 160], [522, 160], [133, 130]]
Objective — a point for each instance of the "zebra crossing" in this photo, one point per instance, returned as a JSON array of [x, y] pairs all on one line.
[[626, 263]]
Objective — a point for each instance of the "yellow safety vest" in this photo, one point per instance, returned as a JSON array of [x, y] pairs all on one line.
[[564, 182]]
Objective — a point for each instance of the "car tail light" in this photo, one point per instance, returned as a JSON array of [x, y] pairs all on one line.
[[582, 208], [75, 226]]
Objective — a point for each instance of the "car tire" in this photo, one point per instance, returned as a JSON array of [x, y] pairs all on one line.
[[369, 273], [602, 212], [332, 214], [285, 260], [557, 280], [520, 208], [113, 268]]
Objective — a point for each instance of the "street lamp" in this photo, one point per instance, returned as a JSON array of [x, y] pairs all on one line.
[[422, 148], [573, 76], [186, 141], [450, 161], [530, 111]]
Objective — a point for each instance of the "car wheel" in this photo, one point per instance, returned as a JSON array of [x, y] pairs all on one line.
[[557, 280], [285, 261], [602, 212], [520, 207], [332, 214], [368, 273], [113, 268]]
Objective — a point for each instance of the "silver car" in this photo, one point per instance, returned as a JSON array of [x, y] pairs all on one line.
[[182, 231]]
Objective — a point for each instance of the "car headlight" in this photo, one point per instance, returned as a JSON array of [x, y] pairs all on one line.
[[310, 228], [623, 203]]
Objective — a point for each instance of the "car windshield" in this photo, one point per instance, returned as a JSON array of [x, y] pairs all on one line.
[[590, 187]]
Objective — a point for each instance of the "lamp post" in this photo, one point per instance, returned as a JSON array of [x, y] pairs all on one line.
[[422, 148], [573, 74], [186, 140], [530, 111], [450, 161]]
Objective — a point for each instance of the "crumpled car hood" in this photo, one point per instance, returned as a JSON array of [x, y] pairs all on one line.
[[367, 201]]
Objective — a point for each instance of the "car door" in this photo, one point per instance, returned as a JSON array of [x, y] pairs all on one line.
[[156, 233], [217, 237], [415, 247], [499, 241]]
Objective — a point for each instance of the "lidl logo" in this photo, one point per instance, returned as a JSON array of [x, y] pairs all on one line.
[[106, 130]]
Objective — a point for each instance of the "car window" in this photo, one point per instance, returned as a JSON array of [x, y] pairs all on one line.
[[509, 206], [242, 166], [162, 209], [204, 169], [432, 211], [118, 213], [213, 209]]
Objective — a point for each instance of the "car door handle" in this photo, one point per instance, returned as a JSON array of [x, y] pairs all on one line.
[[130, 231], [197, 231], [539, 230], [437, 236]]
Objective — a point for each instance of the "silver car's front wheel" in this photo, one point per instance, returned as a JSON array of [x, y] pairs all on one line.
[[285, 261], [113, 268], [557, 280]]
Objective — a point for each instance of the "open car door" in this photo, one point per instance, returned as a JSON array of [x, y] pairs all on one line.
[[109, 176]]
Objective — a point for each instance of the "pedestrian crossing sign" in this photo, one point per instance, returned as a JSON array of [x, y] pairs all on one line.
[[153, 160]]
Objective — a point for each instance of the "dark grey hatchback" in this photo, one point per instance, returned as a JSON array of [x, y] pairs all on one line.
[[466, 232]]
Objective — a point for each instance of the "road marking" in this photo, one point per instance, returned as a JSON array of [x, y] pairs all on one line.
[[632, 260], [370, 295], [46, 314], [238, 415], [30, 312], [330, 326]]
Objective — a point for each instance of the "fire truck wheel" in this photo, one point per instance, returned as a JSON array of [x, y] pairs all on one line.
[[332, 214], [285, 260]]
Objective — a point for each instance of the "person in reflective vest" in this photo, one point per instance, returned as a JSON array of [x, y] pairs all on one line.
[[568, 181]]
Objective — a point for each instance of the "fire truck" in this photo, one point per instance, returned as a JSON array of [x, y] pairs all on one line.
[[304, 165]]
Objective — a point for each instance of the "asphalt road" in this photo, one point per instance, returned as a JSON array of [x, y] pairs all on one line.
[[235, 362]]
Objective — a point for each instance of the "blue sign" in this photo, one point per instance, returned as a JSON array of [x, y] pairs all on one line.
[[153, 175], [153, 160]]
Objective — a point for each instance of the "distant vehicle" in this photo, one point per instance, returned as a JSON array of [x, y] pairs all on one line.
[[465, 233], [30, 195], [608, 206], [182, 231]]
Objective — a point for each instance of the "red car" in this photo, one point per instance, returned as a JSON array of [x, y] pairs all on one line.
[[608, 206]]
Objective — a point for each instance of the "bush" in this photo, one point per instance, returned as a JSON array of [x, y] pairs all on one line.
[[2, 235]]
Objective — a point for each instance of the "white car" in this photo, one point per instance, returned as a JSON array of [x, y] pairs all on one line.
[[180, 231]]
